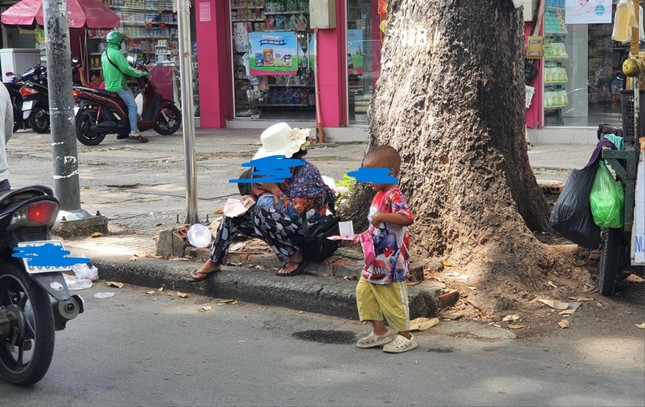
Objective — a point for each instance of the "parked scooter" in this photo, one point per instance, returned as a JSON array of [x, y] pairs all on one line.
[[101, 113], [28, 317], [13, 85], [35, 103]]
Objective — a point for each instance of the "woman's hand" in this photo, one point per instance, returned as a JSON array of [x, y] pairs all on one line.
[[247, 201], [269, 186]]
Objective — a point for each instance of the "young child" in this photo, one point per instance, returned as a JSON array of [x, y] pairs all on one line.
[[382, 291]]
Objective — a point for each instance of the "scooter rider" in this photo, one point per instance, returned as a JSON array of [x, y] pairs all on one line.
[[115, 68]]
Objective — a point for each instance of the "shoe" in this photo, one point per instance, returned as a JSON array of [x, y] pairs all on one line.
[[298, 270], [372, 340], [140, 139], [400, 344], [204, 276]]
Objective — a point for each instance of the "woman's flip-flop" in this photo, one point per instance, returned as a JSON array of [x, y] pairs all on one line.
[[298, 270], [198, 276]]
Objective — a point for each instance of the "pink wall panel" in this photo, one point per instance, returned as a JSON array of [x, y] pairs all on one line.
[[214, 66]]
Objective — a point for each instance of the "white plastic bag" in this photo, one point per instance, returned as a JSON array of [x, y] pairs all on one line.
[[83, 271], [139, 101]]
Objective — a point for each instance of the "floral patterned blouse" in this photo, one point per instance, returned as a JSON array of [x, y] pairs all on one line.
[[304, 192], [391, 242]]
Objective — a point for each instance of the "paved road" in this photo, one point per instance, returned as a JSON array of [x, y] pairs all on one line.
[[158, 349]]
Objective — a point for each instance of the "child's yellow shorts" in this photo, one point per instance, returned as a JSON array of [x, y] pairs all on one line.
[[389, 301]]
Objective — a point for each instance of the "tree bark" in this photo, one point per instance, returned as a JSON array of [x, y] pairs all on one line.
[[450, 98]]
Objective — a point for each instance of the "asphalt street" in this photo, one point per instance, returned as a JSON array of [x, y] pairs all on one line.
[[144, 347]]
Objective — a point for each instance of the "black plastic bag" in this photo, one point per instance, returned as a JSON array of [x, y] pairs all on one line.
[[315, 244], [571, 215]]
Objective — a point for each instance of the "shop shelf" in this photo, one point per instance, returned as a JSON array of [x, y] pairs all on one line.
[[279, 13], [290, 86], [285, 104]]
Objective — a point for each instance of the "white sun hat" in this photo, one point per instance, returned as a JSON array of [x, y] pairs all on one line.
[[281, 139]]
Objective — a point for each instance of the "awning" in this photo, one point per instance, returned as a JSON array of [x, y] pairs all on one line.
[[80, 13]]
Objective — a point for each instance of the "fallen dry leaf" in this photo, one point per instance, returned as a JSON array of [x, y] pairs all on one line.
[[550, 284], [564, 324], [516, 326], [219, 212], [114, 284], [150, 292], [206, 308], [133, 258], [555, 304], [97, 234], [641, 326], [160, 289], [182, 295], [421, 324], [633, 278], [581, 299], [511, 318], [446, 263], [225, 301]]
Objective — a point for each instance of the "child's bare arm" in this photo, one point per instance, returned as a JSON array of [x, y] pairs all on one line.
[[393, 218]]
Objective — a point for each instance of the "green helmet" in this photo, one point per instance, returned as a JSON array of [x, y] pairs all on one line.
[[115, 37]]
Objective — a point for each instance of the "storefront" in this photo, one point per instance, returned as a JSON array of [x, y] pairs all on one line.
[[580, 79], [259, 56]]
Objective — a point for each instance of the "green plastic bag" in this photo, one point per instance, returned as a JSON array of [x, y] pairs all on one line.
[[607, 199]]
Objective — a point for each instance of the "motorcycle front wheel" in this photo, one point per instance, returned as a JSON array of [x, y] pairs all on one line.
[[26, 353], [84, 121], [39, 120], [168, 121]]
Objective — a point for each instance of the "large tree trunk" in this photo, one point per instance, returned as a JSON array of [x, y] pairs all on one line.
[[450, 98]]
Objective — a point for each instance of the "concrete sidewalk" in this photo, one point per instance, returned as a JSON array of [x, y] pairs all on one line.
[[140, 189]]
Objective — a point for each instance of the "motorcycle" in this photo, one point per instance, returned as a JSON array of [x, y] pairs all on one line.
[[35, 103], [28, 316], [14, 85], [101, 112]]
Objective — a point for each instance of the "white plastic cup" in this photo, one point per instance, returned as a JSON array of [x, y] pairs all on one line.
[[199, 235]]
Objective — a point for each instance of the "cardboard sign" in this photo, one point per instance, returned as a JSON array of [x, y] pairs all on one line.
[[534, 47]]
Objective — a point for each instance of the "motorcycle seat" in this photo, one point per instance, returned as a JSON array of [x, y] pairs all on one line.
[[100, 91]]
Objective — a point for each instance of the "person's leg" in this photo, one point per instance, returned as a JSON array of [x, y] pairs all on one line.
[[227, 231], [128, 99], [393, 301], [281, 234], [369, 310]]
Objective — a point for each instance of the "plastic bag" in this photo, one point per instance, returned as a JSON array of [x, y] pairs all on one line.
[[83, 271], [607, 200], [571, 215]]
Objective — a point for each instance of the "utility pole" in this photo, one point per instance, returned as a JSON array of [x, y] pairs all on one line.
[[71, 219], [187, 108]]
